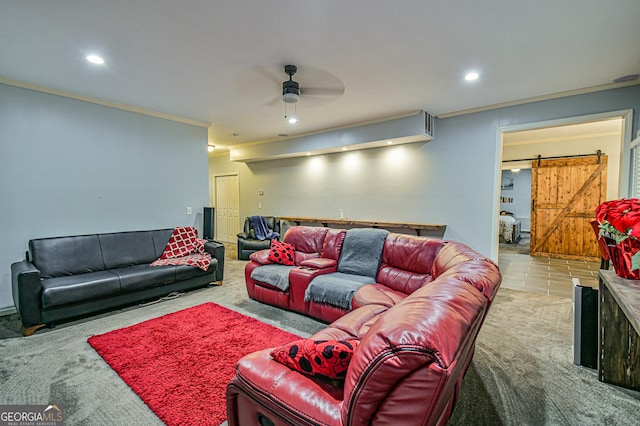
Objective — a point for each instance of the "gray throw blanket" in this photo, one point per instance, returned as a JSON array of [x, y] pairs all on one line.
[[358, 265], [335, 289], [274, 274], [362, 251]]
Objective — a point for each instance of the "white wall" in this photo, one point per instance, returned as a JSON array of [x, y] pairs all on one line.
[[70, 167], [453, 179]]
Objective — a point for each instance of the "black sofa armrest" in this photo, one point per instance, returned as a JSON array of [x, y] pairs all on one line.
[[25, 283], [243, 235], [216, 250]]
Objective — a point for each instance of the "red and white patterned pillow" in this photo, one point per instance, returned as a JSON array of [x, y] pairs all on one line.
[[181, 243]]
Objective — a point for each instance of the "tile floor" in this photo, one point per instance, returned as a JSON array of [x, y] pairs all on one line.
[[546, 275]]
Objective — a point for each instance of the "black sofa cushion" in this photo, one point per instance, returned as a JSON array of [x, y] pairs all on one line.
[[184, 272], [127, 248], [160, 240], [63, 256], [140, 277], [79, 288]]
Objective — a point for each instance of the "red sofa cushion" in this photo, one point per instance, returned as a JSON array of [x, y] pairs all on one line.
[[407, 262], [307, 240]]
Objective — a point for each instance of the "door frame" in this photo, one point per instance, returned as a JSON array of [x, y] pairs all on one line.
[[625, 156]]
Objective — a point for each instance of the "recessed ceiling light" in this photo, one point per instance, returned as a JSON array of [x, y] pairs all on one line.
[[471, 76], [95, 59], [210, 148], [308, 153], [389, 142], [344, 148]]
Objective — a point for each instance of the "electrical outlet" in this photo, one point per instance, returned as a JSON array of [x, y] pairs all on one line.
[[259, 205], [189, 210]]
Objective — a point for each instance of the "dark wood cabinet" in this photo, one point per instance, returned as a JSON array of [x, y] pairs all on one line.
[[619, 331]]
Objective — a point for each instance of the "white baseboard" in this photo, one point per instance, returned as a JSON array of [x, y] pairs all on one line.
[[7, 311]]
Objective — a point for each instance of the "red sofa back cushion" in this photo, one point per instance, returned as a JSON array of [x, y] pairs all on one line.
[[308, 241], [333, 243], [407, 262]]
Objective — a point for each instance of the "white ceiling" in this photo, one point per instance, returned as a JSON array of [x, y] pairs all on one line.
[[220, 62]]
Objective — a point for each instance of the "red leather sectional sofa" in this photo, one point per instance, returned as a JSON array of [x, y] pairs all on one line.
[[417, 326]]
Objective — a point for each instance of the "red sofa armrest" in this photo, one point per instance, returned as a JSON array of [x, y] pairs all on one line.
[[261, 257], [319, 263], [266, 385]]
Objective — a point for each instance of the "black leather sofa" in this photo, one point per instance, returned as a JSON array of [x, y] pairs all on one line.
[[68, 277], [247, 241]]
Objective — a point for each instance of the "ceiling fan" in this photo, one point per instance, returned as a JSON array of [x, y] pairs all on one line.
[[311, 87], [291, 90]]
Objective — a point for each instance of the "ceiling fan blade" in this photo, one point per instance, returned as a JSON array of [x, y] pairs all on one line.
[[267, 74], [257, 82], [319, 91], [275, 100]]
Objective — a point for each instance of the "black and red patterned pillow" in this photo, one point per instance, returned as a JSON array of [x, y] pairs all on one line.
[[282, 253], [181, 242], [324, 358]]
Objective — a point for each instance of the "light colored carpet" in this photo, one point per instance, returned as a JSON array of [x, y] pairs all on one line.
[[522, 371]]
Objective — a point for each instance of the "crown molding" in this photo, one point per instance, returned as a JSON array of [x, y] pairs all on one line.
[[103, 102], [557, 95]]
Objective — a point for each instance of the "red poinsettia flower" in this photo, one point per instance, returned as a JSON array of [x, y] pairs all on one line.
[[619, 220], [621, 215]]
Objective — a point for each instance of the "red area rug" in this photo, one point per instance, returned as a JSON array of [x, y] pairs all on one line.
[[179, 364]]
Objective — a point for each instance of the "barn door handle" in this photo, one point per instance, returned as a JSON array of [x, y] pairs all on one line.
[[533, 205]]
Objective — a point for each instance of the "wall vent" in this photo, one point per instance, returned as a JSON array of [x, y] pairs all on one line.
[[428, 124]]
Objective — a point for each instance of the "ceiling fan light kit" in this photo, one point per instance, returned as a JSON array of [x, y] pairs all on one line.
[[290, 88]]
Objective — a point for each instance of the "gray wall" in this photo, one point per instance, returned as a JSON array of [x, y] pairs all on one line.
[[70, 167], [453, 179]]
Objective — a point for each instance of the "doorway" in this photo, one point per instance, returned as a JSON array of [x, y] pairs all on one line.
[[227, 206], [562, 139], [549, 273]]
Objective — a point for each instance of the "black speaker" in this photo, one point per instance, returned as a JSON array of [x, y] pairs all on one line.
[[208, 228], [585, 326]]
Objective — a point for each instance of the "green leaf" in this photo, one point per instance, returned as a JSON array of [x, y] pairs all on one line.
[[620, 238], [635, 261]]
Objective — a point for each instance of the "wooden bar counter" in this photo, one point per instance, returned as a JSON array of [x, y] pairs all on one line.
[[419, 229], [619, 331]]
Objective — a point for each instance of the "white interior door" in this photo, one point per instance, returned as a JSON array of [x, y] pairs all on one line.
[[227, 208]]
